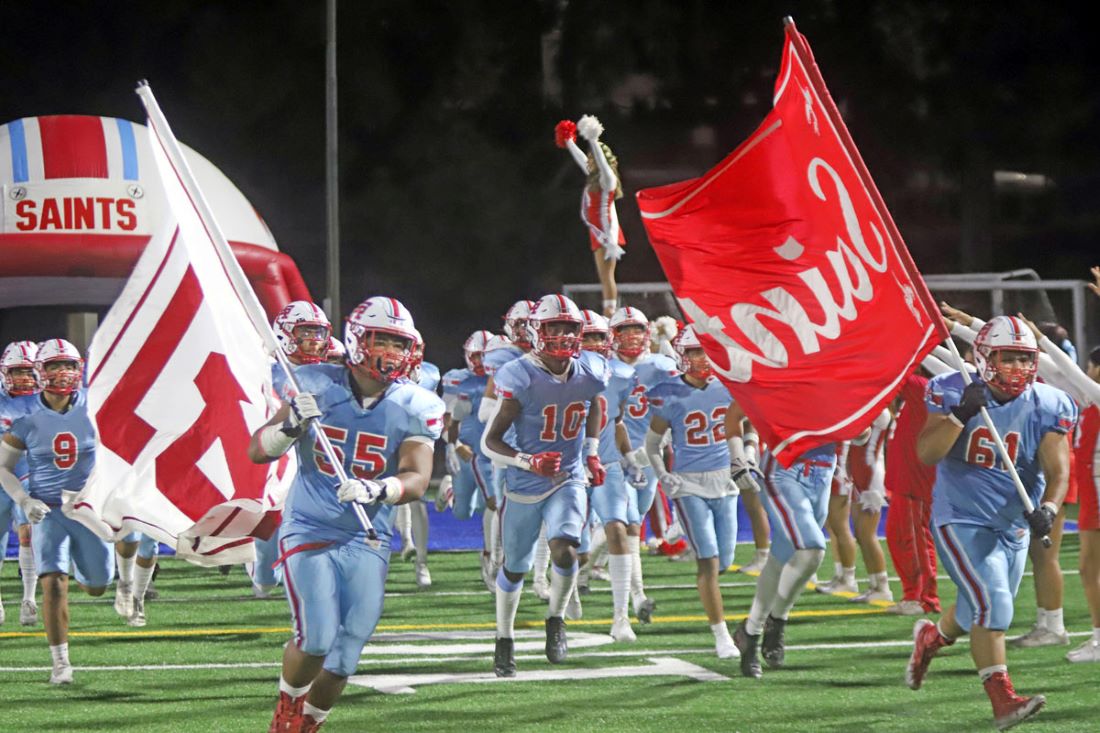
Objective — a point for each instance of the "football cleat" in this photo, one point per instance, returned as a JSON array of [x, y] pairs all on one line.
[[28, 613], [1040, 636], [151, 593], [1087, 652], [644, 610], [423, 577], [757, 564], [124, 600], [556, 645], [620, 629], [906, 608], [3, 616], [835, 586], [137, 615], [874, 596], [445, 494], [1008, 707], [747, 645], [288, 714], [62, 674], [258, 591], [310, 724], [408, 550], [504, 658], [927, 641], [542, 589], [771, 645]]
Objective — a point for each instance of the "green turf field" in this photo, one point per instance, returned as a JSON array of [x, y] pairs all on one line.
[[208, 661]]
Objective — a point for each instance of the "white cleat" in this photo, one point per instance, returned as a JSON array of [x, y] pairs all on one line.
[[137, 616], [620, 629], [599, 573], [573, 610], [906, 608], [259, 591], [757, 564], [124, 600], [542, 589], [725, 648], [28, 613], [62, 674], [445, 495], [407, 551], [423, 577], [872, 596], [836, 586], [1040, 636], [1087, 652], [3, 615]]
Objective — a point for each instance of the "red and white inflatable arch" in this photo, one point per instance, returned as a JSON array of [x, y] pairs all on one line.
[[79, 204]]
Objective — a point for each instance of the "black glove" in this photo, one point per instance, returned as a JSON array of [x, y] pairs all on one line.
[[1041, 520], [973, 400]]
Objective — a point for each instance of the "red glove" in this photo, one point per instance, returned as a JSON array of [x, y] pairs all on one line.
[[564, 131], [546, 463], [596, 472]]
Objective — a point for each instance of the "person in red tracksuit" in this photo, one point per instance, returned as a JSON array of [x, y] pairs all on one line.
[[909, 485]]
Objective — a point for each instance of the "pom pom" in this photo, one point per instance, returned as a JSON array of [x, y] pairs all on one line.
[[665, 328], [564, 131], [589, 128]]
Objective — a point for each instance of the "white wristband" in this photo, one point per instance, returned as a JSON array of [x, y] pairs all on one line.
[[394, 490], [737, 449], [1052, 506], [591, 447], [274, 441]]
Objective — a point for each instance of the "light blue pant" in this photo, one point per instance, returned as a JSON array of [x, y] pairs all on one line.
[[60, 542], [615, 500], [797, 502], [564, 513], [648, 494], [987, 565], [267, 552], [710, 526], [147, 546], [472, 486]]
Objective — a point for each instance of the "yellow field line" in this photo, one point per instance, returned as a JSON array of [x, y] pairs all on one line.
[[175, 633]]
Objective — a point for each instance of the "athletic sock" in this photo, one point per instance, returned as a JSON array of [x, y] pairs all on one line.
[[30, 575], [764, 599], [987, 672], [880, 582], [3, 548], [838, 570], [125, 572], [293, 692], [1040, 617], [720, 630], [507, 602], [542, 556], [562, 582], [314, 712], [1055, 622], [487, 536], [619, 567], [418, 511], [792, 580], [142, 576], [497, 545], [1096, 634], [60, 653], [848, 574], [637, 587]]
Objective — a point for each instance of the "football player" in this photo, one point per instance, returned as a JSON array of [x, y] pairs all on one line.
[[18, 379], [471, 471], [383, 428], [135, 561], [694, 409], [59, 442], [866, 466], [978, 518], [549, 397]]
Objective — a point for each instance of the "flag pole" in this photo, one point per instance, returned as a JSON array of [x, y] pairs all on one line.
[[1029, 507], [247, 296]]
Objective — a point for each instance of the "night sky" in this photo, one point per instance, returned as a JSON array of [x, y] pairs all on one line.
[[454, 198]]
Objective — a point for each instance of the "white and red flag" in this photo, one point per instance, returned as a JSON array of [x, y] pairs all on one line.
[[793, 272], [178, 379]]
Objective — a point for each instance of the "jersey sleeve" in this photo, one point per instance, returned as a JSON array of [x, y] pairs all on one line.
[[1059, 413], [21, 428], [659, 398], [511, 382], [597, 369], [943, 393], [452, 381], [425, 410]]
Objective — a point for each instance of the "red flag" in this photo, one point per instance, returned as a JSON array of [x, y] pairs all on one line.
[[795, 276], [178, 379]]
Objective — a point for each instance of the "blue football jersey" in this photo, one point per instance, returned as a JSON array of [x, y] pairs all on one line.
[[10, 409], [467, 388], [972, 486], [279, 382], [366, 439], [696, 417], [429, 376], [620, 386], [495, 359], [651, 370], [552, 415], [60, 447]]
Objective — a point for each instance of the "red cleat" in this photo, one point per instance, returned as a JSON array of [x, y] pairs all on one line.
[[927, 641], [309, 724], [288, 714], [1008, 707]]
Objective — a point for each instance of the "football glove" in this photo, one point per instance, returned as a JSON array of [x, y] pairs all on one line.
[[360, 491], [1041, 520], [454, 465], [742, 475], [303, 410], [594, 470], [973, 400], [547, 463], [670, 482], [34, 509]]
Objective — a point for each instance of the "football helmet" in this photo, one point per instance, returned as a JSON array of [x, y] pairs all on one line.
[[552, 309], [59, 380], [416, 358], [634, 343], [515, 323], [695, 364], [594, 327], [1000, 334], [474, 350], [19, 356], [372, 318], [302, 331]]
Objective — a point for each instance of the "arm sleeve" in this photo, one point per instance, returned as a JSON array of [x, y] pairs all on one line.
[[934, 364], [1071, 378]]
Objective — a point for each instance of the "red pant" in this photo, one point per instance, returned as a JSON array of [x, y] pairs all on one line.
[[912, 549]]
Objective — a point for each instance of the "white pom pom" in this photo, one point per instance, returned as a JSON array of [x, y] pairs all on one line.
[[589, 128], [665, 328]]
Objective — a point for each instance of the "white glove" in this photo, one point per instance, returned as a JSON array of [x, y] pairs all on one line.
[[589, 127], [445, 497], [34, 509], [303, 409], [360, 491], [670, 482], [635, 474], [742, 475], [872, 500], [637, 457], [453, 462]]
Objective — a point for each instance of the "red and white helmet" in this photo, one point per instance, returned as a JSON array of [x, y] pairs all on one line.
[[416, 359], [595, 324], [555, 309], [58, 381], [336, 351], [515, 323], [633, 344], [19, 355], [696, 365], [309, 345], [474, 351], [1006, 333], [371, 318]]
